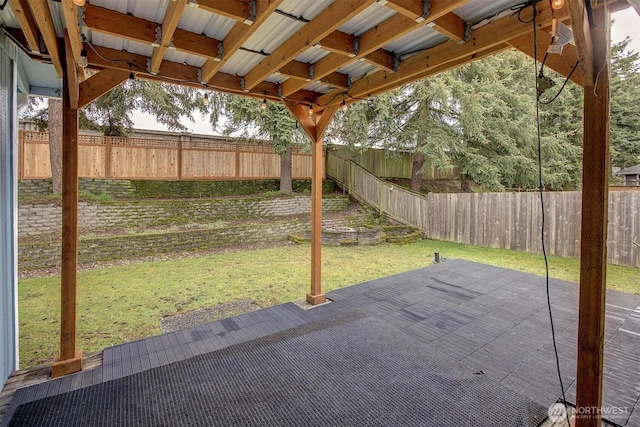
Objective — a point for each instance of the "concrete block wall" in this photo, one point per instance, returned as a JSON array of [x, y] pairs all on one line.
[[34, 220], [47, 253]]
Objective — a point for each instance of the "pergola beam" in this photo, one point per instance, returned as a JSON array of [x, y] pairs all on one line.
[[99, 84], [562, 64], [70, 12], [169, 24], [143, 31], [234, 9], [424, 63], [582, 37], [336, 14], [28, 24], [239, 34], [452, 26], [453, 64], [44, 20], [373, 39], [186, 73]]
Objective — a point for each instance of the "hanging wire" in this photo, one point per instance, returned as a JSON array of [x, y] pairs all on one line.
[[542, 205]]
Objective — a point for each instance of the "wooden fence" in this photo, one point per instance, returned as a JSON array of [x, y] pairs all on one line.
[[499, 220], [382, 165], [167, 158]]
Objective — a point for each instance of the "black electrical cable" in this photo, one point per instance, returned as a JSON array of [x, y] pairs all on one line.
[[561, 88], [542, 207]]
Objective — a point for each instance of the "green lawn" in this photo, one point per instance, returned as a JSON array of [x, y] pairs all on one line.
[[121, 304]]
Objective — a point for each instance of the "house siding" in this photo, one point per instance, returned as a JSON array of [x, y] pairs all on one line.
[[8, 210]]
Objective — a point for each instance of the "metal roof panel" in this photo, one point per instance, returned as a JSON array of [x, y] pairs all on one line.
[[367, 19], [476, 11], [275, 31], [312, 55], [422, 38]]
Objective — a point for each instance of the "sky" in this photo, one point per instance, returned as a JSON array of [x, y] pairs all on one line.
[[626, 23]]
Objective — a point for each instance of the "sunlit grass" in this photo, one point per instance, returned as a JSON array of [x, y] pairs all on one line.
[[120, 304]]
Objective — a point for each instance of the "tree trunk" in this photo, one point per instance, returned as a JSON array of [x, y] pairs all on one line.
[[286, 184], [416, 167], [55, 143], [465, 184]]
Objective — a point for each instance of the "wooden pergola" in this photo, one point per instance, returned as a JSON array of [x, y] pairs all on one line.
[[321, 54]]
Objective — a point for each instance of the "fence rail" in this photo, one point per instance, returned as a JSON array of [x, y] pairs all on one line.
[[499, 220], [177, 158]]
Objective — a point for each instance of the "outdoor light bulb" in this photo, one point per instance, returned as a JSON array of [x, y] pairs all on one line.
[[310, 110], [557, 4], [205, 98], [344, 106], [82, 61], [263, 106], [78, 2]]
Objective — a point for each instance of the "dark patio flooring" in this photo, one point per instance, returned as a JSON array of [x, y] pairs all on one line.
[[474, 320]]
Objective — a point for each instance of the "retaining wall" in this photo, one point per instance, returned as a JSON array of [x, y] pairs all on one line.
[[40, 219], [47, 253]]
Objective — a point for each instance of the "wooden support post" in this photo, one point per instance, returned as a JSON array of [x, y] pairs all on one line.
[[315, 127], [70, 358], [593, 251], [316, 296]]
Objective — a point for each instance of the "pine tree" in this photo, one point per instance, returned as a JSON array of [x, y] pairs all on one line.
[[625, 99], [248, 118]]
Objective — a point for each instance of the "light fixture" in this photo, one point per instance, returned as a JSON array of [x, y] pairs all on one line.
[[205, 98], [310, 110], [83, 61], [344, 106], [78, 2], [557, 4], [263, 106]]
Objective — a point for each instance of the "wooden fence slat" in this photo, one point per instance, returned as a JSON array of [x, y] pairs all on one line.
[[504, 220], [169, 158]]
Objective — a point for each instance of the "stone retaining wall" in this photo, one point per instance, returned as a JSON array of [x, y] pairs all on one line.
[[47, 253], [35, 220], [134, 189]]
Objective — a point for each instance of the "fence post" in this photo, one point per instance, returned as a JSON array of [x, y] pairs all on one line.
[[381, 197], [237, 160], [180, 147], [21, 155], [107, 158]]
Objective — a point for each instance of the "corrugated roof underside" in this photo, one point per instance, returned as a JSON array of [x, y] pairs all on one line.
[[369, 18], [275, 31], [306, 9], [201, 21], [477, 10], [8, 17], [241, 62], [422, 38], [357, 69], [312, 55]]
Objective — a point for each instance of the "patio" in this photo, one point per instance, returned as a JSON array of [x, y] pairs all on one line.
[[457, 343]]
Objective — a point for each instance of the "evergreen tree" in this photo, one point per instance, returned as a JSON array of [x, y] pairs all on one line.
[[479, 118], [246, 116], [625, 99]]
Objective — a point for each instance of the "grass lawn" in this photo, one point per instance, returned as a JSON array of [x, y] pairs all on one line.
[[120, 304]]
